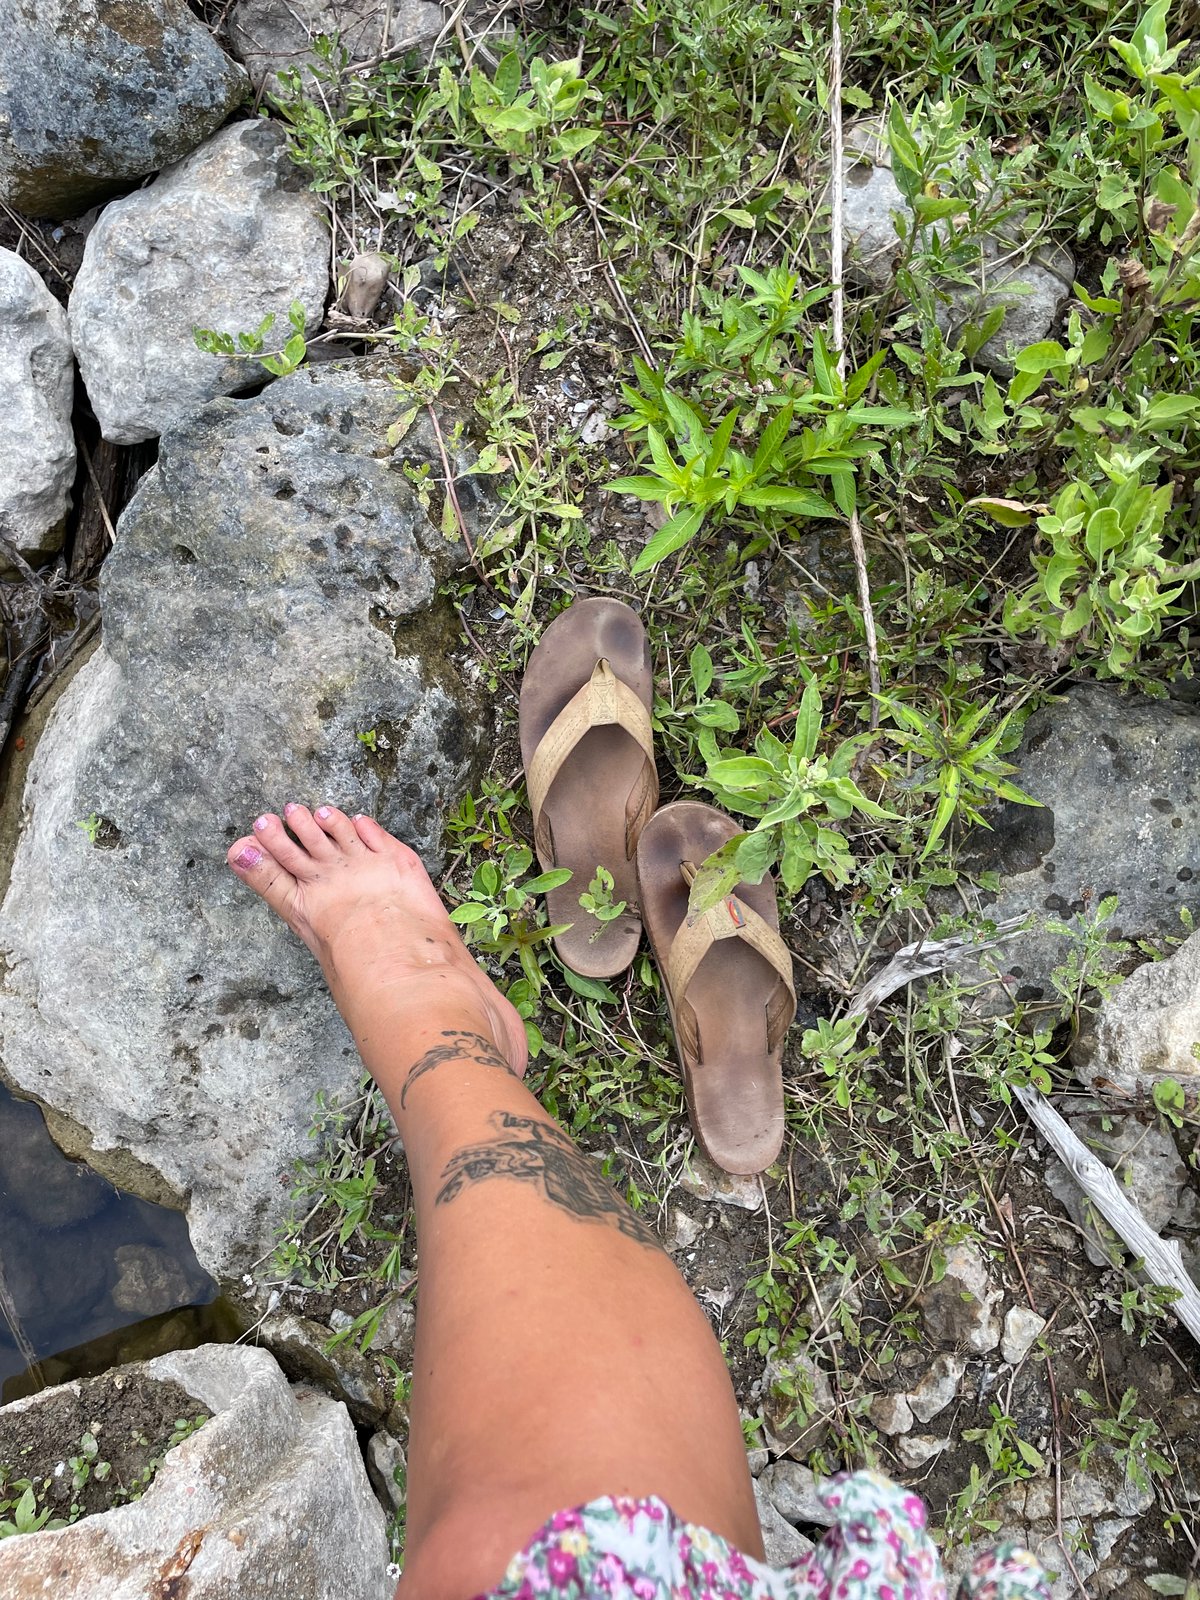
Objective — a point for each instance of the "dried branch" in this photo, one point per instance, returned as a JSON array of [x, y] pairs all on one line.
[[837, 194]]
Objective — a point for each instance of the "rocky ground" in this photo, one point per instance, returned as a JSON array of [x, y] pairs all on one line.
[[315, 412]]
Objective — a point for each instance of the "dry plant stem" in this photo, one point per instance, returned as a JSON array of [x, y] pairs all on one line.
[[837, 188], [1161, 1262]]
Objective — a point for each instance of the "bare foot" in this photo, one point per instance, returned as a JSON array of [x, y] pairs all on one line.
[[364, 905]]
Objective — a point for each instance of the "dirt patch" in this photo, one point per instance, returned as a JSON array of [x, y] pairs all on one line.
[[93, 1445]]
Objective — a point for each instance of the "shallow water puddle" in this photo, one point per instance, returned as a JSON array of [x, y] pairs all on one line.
[[81, 1261]]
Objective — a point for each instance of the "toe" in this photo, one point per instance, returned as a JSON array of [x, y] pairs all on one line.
[[379, 839], [276, 841], [340, 829], [263, 873], [309, 832]]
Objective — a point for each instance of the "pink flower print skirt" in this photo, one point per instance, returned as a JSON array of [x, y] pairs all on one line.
[[878, 1549]]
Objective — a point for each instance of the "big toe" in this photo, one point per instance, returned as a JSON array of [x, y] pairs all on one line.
[[260, 871]]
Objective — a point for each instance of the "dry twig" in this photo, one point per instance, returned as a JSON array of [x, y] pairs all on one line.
[[837, 191]]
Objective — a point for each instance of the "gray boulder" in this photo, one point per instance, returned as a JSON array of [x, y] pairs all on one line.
[[1148, 1029], [271, 596], [37, 391], [220, 241], [268, 1498], [1118, 776], [274, 36], [1030, 283], [93, 96]]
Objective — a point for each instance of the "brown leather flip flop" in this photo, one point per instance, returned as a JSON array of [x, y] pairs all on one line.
[[588, 750], [728, 978]]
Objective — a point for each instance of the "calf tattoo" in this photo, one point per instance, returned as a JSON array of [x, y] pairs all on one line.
[[538, 1153], [459, 1046]]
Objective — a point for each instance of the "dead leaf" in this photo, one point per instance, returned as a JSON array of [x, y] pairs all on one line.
[[1008, 513]]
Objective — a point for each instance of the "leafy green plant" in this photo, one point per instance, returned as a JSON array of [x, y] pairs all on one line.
[[963, 771], [597, 899], [20, 1512], [250, 346], [1106, 575], [797, 795]]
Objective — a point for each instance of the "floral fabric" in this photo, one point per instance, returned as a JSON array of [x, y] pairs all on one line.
[[878, 1549]]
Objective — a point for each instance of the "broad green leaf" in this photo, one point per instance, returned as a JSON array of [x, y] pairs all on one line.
[[741, 772], [1103, 533], [507, 81], [645, 488], [717, 714], [554, 879], [1060, 570], [472, 911], [700, 664], [573, 141], [777, 497], [773, 436], [808, 723], [672, 536], [1040, 357]]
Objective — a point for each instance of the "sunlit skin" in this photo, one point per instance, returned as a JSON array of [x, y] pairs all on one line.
[[559, 1355]]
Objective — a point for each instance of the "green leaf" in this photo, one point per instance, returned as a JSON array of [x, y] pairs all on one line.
[[645, 488], [777, 497], [554, 879], [701, 667], [507, 82], [573, 141], [717, 714], [1040, 357], [472, 911], [1060, 570], [672, 536], [1103, 533], [808, 723], [741, 772], [773, 436]]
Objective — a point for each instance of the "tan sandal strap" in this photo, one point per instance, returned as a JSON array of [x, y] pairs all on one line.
[[732, 918], [603, 701]]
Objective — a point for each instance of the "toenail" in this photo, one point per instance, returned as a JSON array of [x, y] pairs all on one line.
[[260, 823], [249, 857], [324, 811], [290, 807]]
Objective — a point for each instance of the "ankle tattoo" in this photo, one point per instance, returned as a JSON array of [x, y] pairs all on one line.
[[459, 1046], [538, 1153]]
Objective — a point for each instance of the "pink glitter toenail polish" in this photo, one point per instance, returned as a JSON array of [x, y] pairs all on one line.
[[260, 823], [324, 811], [289, 808], [249, 857]]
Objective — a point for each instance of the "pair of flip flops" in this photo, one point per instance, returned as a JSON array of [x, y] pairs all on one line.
[[588, 749]]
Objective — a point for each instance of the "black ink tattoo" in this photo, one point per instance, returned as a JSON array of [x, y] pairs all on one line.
[[461, 1047], [535, 1152]]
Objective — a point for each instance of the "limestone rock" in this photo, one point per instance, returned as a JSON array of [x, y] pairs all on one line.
[[220, 241], [269, 597], [67, 139], [268, 1498], [387, 1468], [274, 36], [913, 1450], [37, 392], [1118, 776], [797, 1404], [300, 1347], [782, 1545], [959, 1309], [792, 1490], [1148, 1028], [1030, 283], [937, 1388], [706, 1181], [1021, 1328], [149, 1280], [1147, 1165], [891, 1413]]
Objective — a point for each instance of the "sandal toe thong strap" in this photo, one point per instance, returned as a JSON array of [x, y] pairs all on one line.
[[732, 918], [604, 701]]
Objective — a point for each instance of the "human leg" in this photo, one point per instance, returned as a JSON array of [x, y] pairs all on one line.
[[560, 1357]]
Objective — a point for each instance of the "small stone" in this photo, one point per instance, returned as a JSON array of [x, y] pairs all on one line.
[[274, 36], [220, 241], [891, 1413], [708, 1182], [684, 1230], [299, 1345], [149, 1281], [792, 1489], [37, 393], [797, 1404], [782, 1545], [915, 1449], [396, 1327], [757, 1459], [937, 1388], [1021, 1328], [1147, 1028], [387, 1468], [958, 1310], [366, 279], [595, 428]]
